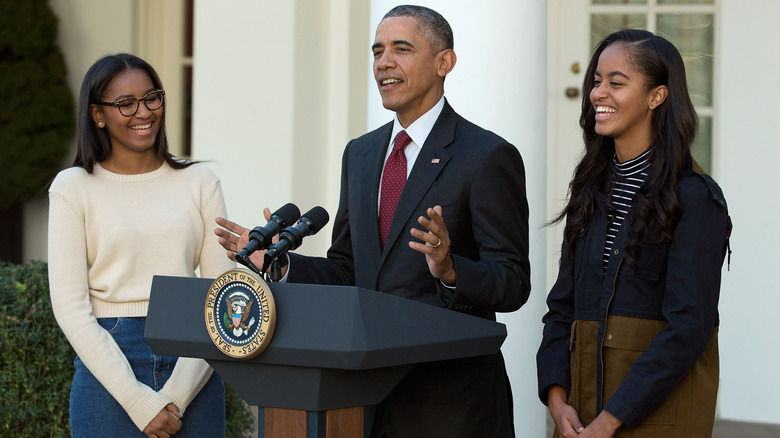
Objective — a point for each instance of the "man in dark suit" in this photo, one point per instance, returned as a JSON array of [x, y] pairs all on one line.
[[456, 235]]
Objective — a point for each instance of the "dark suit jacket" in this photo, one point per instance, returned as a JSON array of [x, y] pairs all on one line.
[[479, 180]]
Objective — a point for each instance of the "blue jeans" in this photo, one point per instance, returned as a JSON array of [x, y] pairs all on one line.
[[94, 412]]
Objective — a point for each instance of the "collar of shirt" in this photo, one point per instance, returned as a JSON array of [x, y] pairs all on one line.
[[418, 131]]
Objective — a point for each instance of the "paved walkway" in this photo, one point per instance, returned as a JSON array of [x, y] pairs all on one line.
[[738, 429]]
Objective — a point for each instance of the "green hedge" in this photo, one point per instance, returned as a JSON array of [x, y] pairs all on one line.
[[37, 362], [36, 359]]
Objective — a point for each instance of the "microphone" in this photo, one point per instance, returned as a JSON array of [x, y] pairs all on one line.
[[260, 237], [291, 237]]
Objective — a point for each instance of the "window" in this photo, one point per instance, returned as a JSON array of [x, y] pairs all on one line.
[[165, 40], [690, 26]]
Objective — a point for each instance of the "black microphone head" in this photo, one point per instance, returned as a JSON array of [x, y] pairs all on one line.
[[288, 213], [318, 218], [260, 237]]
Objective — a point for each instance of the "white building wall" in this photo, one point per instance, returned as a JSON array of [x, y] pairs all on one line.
[[499, 83], [746, 163]]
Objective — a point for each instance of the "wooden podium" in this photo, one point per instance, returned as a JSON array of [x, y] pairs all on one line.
[[335, 350]]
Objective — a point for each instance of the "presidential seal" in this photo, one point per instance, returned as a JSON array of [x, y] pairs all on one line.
[[240, 314]]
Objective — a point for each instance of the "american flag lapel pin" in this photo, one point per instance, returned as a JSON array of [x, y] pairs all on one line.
[[435, 161]]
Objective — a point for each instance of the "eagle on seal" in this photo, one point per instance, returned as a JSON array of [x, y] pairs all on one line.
[[241, 308]]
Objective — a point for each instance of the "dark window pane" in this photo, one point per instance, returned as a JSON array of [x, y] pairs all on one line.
[[702, 144], [188, 27], [187, 147]]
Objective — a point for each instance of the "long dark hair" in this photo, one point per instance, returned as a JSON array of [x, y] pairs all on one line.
[[94, 144], [674, 127]]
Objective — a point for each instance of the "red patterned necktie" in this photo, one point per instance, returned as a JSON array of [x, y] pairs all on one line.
[[393, 181]]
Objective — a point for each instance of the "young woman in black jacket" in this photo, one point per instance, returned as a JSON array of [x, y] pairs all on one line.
[[630, 338]]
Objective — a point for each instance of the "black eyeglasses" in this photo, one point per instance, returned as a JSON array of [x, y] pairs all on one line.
[[129, 105]]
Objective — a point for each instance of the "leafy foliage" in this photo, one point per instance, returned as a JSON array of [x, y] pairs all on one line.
[[239, 422], [37, 112], [226, 322], [37, 361]]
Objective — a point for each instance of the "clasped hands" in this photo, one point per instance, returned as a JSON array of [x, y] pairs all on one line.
[[568, 423], [435, 243], [165, 424]]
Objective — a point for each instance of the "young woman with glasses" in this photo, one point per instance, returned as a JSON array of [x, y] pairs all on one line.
[[125, 211], [630, 343]]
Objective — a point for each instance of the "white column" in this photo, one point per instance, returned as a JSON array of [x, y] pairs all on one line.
[[745, 166], [275, 102], [499, 83], [243, 102]]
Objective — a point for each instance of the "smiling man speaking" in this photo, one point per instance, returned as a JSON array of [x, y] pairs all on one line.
[[432, 208]]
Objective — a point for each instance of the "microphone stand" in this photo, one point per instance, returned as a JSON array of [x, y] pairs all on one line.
[[275, 267]]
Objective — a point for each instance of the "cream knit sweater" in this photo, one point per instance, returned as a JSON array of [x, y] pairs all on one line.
[[108, 235]]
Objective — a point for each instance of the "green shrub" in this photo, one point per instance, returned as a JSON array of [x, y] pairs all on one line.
[[239, 421], [37, 361]]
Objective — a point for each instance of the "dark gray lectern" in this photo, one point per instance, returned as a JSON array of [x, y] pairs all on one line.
[[335, 350]]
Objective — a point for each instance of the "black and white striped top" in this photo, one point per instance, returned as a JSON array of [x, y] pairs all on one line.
[[627, 179]]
